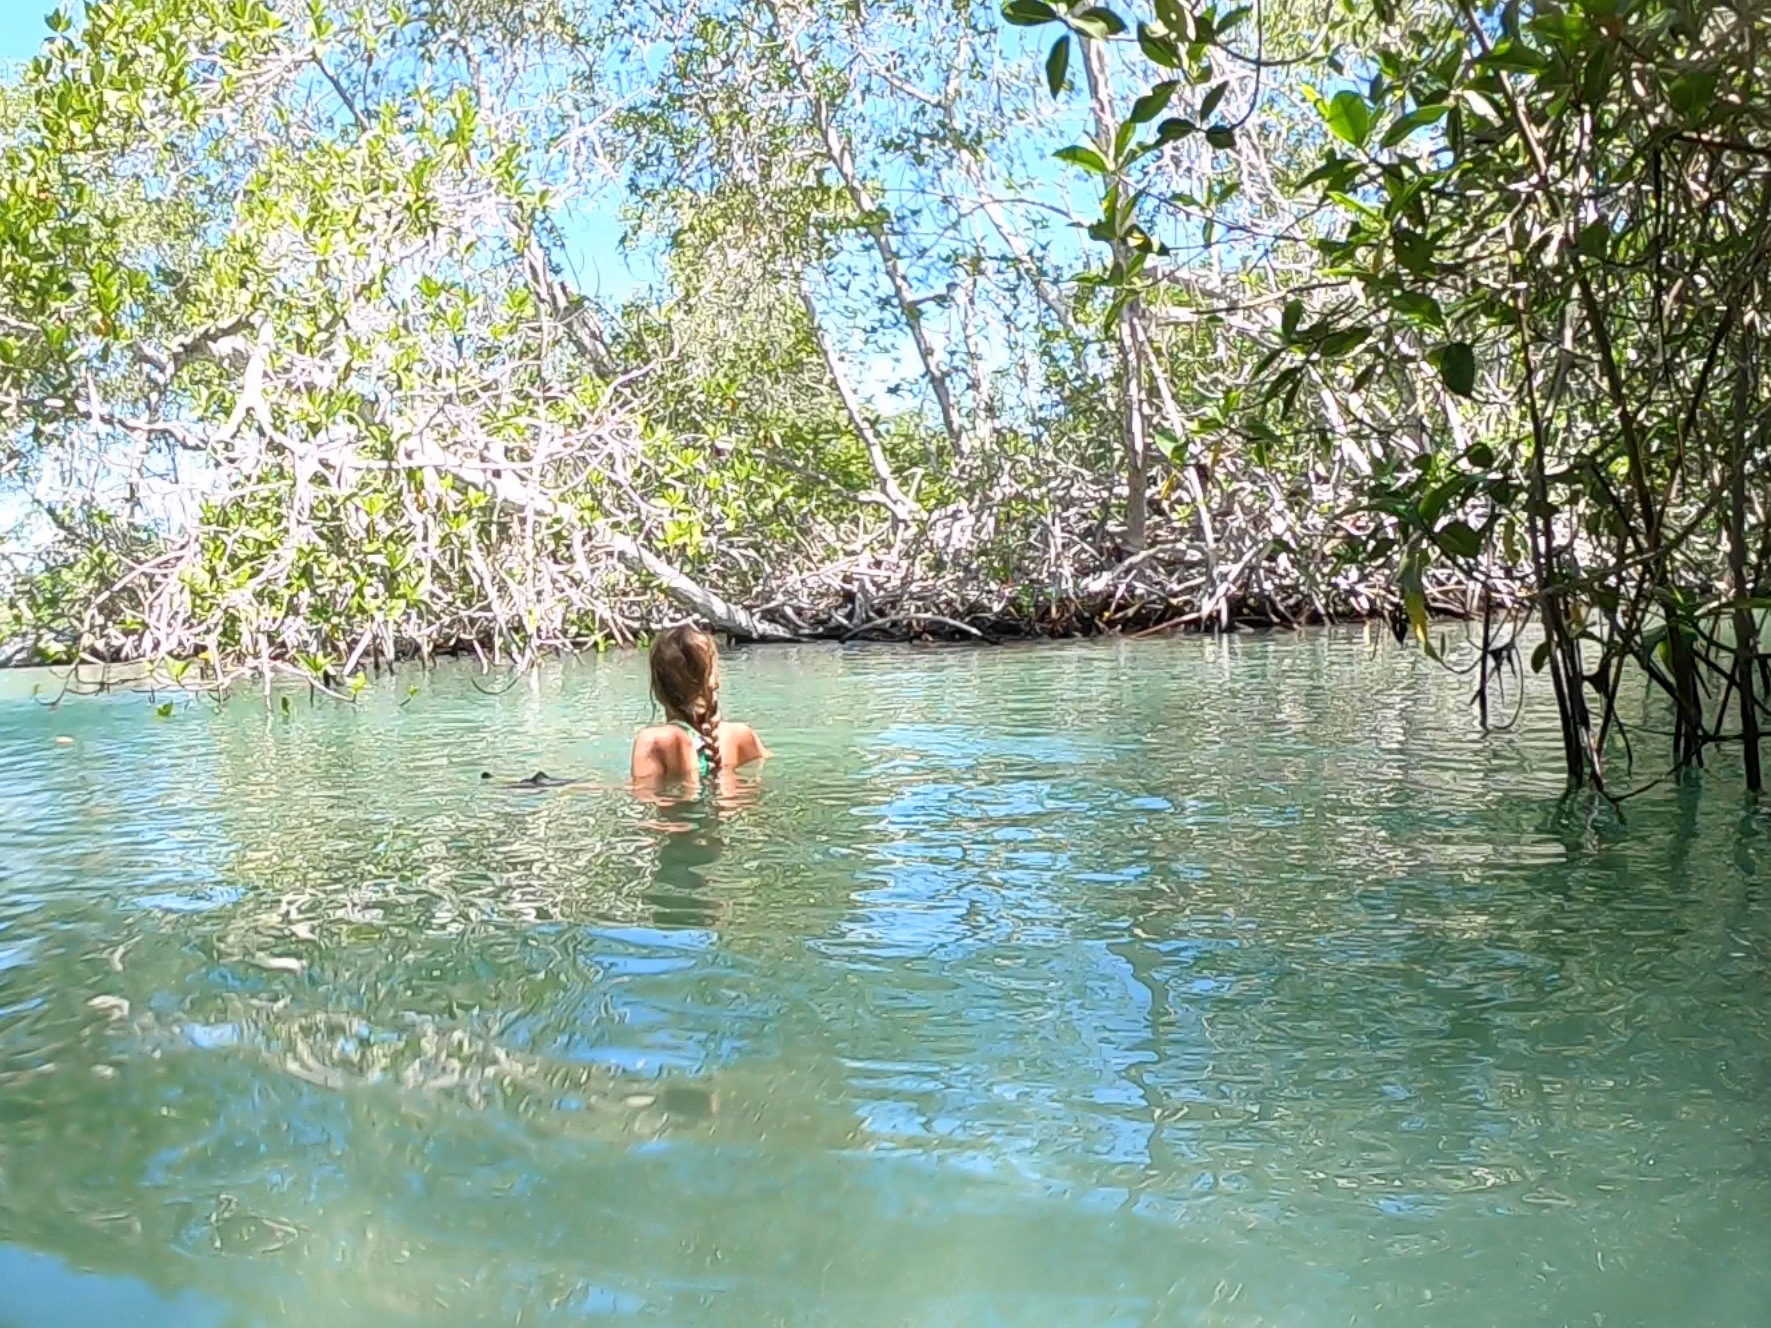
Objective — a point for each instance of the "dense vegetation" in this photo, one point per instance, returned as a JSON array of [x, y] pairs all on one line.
[[1048, 319]]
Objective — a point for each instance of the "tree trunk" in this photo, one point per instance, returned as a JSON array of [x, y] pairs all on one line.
[[1134, 406], [896, 502], [1580, 754], [686, 591], [1746, 623]]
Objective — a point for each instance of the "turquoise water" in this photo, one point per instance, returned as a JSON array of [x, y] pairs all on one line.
[[1159, 983]]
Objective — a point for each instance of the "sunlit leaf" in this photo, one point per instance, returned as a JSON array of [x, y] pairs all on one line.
[[1098, 22], [1419, 118], [1152, 104], [1414, 598], [1028, 13], [1173, 16], [1170, 446], [1515, 55], [1349, 118], [1157, 49], [1363, 208], [1419, 307], [1087, 158]]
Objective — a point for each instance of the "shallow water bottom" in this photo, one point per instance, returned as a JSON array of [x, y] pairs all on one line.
[[1168, 983]]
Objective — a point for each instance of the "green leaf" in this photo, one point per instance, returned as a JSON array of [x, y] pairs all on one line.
[[1122, 140], [1028, 13], [1540, 656], [1414, 251], [1221, 137], [1173, 16], [1457, 368], [1153, 103], [1481, 456], [1057, 64], [1110, 319], [1174, 130], [1158, 50], [1170, 446], [1211, 101], [1366, 210], [164, 710], [1414, 597], [1283, 383], [1231, 19], [1265, 438], [1337, 172], [1515, 55], [1087, 158], [1349, 118], [1693, 92], [1594, 241], [1419, 118], [1459, 539], [1343, 342], [1289, 320], [1420, 307], [1596, 82], [1099, 22]]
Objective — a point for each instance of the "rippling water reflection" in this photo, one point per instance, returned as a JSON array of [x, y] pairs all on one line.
[[1169, 983]]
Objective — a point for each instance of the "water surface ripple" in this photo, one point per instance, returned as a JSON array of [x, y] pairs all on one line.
[[1166, 983]]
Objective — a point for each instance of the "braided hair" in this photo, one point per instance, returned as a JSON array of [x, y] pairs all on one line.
[[685, 681]]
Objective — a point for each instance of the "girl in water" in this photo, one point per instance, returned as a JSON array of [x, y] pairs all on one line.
[[695, 742]]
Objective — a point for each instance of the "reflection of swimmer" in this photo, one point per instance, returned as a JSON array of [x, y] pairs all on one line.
[[691, 838], [678, 891], [695, 742]]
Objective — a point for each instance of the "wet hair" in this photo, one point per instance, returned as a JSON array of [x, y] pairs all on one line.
[[685, 681]]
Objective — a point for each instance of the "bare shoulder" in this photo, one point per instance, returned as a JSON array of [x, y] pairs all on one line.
[[659, 751], [659, 735], [741, 742]]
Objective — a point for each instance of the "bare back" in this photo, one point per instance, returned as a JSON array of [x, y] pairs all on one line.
[[669, 751]]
